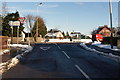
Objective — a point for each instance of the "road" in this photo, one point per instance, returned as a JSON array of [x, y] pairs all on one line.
[[64, 61]]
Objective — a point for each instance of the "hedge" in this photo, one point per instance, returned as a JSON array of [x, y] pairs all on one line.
[[107, 40]]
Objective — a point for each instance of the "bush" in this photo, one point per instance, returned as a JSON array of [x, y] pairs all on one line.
[[107, 40]]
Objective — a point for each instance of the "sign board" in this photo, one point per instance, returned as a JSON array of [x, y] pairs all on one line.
[[21, 19], [99, 37], [14, 23]]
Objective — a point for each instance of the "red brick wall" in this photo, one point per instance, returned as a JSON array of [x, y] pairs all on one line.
[[3, 42], [105, 32]]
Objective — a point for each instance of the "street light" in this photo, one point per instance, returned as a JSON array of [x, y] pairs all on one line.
[[37, 21], [111, 39]]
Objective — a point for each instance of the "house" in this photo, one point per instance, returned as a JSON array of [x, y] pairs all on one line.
[[117, 32], [104, 31], [54, 33], [76, 35]]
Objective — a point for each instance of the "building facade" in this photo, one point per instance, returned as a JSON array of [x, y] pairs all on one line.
[[104, 31]]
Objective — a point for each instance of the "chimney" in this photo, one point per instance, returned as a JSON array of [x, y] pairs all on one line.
[[105, 25], [100, 26]]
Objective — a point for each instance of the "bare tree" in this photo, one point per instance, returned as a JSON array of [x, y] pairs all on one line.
[[30, 22], [94, 31], [3, 13], [4, 9]]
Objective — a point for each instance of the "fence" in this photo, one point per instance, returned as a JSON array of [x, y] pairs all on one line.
[[31, 39]]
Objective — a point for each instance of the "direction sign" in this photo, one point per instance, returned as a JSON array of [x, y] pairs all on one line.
[[14, 23]]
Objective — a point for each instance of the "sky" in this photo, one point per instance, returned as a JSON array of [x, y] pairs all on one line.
[[68, 16]]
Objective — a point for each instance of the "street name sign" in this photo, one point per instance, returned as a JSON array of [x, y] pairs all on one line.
[[14, 23]]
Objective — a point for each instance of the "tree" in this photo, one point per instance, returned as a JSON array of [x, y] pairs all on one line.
[[94, 32], [42, 30], [67, 35], [30, 19], [30, 22], [63, 33], [6, 29], [0, 25], [4, 9]]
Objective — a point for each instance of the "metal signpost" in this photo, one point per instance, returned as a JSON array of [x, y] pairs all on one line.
[[14, 23]]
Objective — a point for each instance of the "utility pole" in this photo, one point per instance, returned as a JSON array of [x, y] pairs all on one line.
[[111, 39], [37, 26], [37, 22]]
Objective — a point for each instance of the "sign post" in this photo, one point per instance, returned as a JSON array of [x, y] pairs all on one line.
[[12, 35], [17, 35], [14, 23]]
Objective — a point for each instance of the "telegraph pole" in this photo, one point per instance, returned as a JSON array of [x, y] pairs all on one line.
[[111, 39], [37, 25], [37, 22]]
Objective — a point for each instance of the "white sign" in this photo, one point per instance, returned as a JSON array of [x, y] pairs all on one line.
[[14, 23]]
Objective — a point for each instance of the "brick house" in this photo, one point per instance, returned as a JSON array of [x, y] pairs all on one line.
[[104, 30]]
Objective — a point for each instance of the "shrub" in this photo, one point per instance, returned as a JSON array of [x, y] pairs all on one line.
[[107, 40]]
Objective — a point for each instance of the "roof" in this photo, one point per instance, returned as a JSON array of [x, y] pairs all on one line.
[[52, 34], [75, 33], [102, 27], [53, 31], [118, 28], [56, 34]]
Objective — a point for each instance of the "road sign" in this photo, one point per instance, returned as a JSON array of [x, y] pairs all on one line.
[[99, 37], [21, 19], [14, 23]]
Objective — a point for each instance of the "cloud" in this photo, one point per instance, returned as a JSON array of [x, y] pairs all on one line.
[[50, 6], [11, 7]]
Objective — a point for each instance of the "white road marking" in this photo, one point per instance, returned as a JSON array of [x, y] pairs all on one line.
[[66, 54], [59, 47], [44, 48], [83, 72]]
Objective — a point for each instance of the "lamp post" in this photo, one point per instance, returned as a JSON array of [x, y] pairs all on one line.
[[37, 22], [111, 39]]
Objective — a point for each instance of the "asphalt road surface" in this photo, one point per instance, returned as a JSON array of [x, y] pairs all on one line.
[[64, 61]]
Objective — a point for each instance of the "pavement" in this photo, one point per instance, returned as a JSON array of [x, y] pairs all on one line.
[[64, 61], [105, 50]]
